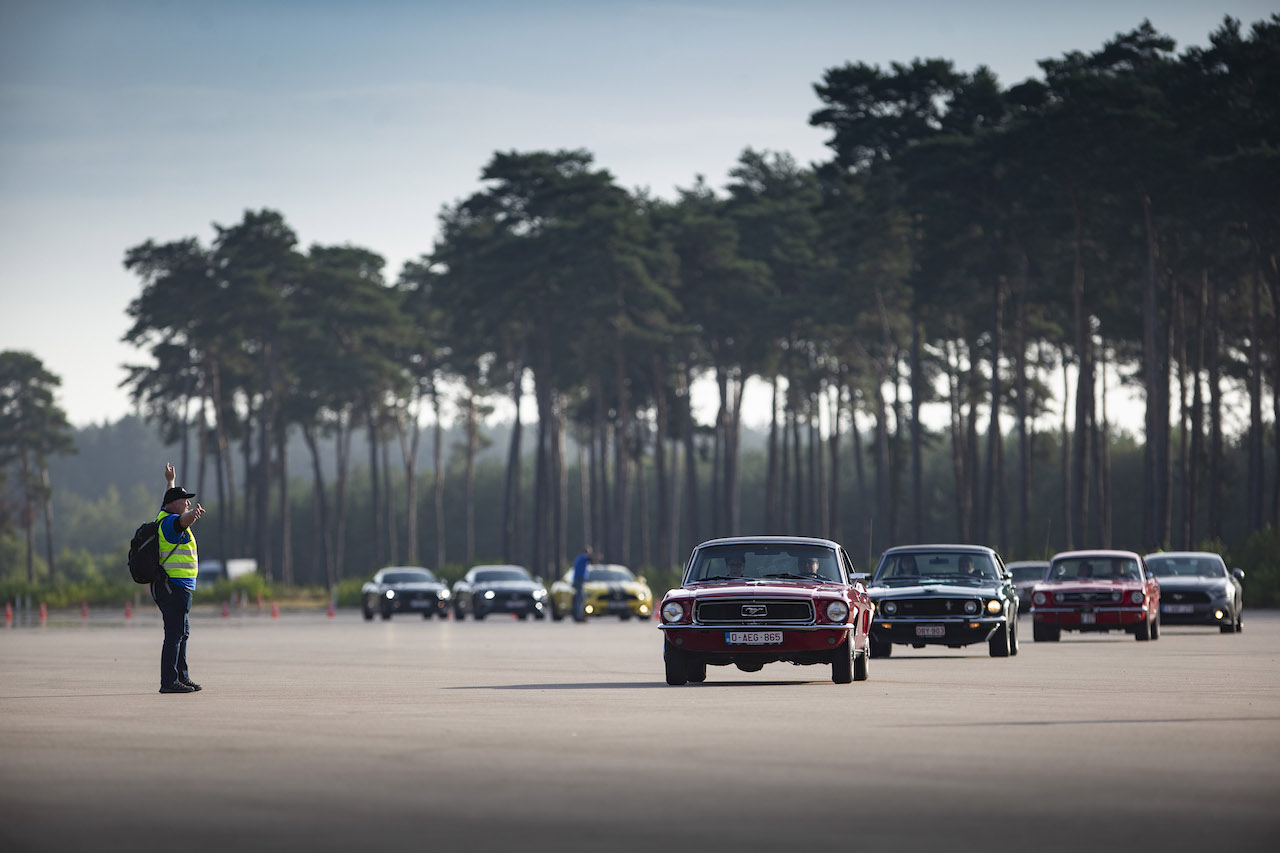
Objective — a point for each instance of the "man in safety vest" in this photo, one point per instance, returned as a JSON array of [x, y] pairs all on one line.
[[172, 595]]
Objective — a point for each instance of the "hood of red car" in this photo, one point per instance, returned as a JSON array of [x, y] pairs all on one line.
[[1089, 585], [757, 588]]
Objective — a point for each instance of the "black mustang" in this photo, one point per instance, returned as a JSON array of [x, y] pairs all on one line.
[[404, 589], [949, 595], [499, 589]]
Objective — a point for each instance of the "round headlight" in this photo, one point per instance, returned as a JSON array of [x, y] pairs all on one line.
[[442, 594], [1115, 596], [672, 611], [539, 594], [391, 593], [889, 608], [971, 607], [488, 594], [1137, 597], [837, 611], [994, 606], [1039, 598]]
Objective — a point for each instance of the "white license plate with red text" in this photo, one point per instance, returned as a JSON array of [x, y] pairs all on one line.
[[930, 631]]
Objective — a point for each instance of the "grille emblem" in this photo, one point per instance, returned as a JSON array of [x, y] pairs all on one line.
[[754, 610], [948, 606]]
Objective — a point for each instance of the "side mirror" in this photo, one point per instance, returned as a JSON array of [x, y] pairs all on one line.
[[1238, 574], [1150, 576], [1007, 575], [641, 579], [859, 576], [539, 579]]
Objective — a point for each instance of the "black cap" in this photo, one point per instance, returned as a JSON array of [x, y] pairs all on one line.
[[176, 493]]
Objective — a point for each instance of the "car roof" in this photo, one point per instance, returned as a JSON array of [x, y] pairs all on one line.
[[497, 566], [976, 549], [769, 540], [404, 569], [1102, 553], [1186, 555]]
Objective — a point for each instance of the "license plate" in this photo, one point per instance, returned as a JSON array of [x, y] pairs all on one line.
[[753, 638], [930, 631], [1088, 618], [418, 602], [1178, 608], [618, 607]]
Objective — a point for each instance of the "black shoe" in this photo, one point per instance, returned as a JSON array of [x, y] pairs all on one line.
[[189, 683], [178, 687]]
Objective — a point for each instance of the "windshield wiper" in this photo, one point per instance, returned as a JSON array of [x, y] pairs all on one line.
[[721, 578], [793, 576]]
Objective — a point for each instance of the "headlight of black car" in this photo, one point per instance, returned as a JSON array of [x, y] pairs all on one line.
[[889, 608], [994, 606]]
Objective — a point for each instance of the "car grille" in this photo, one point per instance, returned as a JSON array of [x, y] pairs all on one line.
[[1100, 598], [730, 611], [929, 606], [616, 594], [1186, 597]]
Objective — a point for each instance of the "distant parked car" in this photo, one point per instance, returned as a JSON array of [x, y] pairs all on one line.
[[945, 595], [1197, 589], [499, 589], [609, 590], [749, 601], [1096, 591], [404, 589], [1026, 574]]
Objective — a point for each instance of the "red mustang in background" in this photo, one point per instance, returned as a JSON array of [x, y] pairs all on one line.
[[749, 601], [1096, 591]]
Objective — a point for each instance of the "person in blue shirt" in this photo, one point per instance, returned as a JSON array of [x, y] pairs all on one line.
[[180, 562], [580, 563]]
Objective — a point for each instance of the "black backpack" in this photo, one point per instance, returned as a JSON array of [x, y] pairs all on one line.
[[144, 554]]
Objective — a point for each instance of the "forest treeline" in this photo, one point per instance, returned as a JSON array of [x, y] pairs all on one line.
[[994, 252]]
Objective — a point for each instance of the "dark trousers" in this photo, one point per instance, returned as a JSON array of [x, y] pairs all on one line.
[[579, 615], [174, 601]]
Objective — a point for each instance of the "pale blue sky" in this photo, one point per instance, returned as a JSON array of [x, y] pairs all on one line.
[[126, 121]]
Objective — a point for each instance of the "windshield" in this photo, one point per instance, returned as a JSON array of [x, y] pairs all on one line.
[[1094, 568], [747, 560], [511, 574], [1194, 567], [417, 576], [950, 566], [1028, 573], [610, 574]]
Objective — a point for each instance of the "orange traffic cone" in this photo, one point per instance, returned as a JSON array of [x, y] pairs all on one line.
[[8, 614], [225, 610], [331, 613], [44, 614], [84, 611], [128, 610], [275, 611]]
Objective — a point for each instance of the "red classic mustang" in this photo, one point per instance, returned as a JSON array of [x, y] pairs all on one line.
[[749, 601], [1096, 591]]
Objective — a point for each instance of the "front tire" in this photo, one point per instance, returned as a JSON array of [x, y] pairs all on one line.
[[556, 615], [879, 648], [1143, 634], [1045, 633], [998, 645], [366, 610], [677, 668], [842, 664], [697, 672], [1013, 637]]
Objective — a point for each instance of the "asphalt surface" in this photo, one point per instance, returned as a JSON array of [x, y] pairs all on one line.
[[325, 734]]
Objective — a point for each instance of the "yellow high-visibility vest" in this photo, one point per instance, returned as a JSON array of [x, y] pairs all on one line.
[[184, 562]]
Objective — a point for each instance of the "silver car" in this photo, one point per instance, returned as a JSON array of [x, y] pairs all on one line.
[[1197, 589], [1026, 574]]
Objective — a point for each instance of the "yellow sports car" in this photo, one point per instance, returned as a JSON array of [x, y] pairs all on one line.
[[609, 590]]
